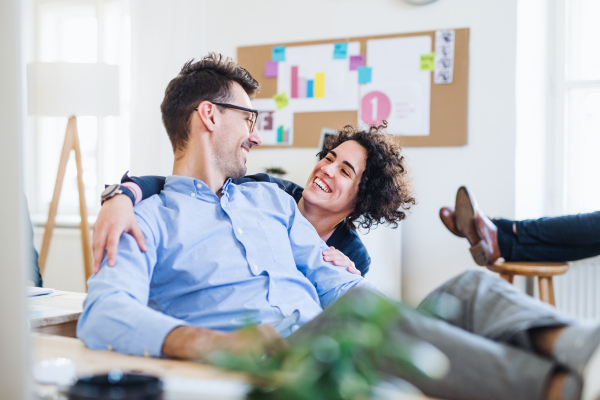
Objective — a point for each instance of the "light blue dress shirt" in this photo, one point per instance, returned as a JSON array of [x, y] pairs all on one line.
[[249, 257]]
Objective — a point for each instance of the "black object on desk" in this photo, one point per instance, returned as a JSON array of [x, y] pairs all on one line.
[[117, 385]]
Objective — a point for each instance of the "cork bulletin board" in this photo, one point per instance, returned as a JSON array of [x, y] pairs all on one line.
[[448, 102]]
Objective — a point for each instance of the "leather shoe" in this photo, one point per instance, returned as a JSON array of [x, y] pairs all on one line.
[[479, 230], [447, 217]]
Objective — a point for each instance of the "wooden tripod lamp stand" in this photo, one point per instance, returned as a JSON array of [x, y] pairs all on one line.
[[71, 90]]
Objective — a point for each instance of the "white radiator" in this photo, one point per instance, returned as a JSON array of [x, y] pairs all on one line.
[[578, 291]]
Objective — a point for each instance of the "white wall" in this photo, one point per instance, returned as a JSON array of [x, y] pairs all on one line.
[[166, 34], [535, 101]]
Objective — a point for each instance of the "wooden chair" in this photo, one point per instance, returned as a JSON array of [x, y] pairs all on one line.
[[543, 270]]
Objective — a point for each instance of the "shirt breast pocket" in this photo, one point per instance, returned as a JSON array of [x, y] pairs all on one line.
[[277, 236]]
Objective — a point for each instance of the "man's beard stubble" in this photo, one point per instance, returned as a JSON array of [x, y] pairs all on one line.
[[229, 164]]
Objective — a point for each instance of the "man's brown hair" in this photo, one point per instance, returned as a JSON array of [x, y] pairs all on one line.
[[209, 79]]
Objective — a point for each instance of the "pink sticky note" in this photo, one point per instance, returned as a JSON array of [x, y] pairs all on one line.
[[271, 69], [356, 61]]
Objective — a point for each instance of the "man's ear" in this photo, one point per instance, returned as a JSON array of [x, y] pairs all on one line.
[[207, 113]]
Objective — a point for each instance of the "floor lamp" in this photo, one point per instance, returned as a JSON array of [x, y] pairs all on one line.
[[71, 90]]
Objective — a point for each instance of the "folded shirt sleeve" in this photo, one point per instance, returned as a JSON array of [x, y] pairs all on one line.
[[115, 313]]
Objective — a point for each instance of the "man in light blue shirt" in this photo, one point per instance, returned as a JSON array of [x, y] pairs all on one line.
[[221, 256], [248, 257]]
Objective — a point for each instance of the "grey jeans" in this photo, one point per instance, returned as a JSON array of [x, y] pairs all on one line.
[[481, 323]]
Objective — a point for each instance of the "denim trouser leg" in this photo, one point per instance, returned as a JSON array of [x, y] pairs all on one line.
[[565, 238], [479, 365]]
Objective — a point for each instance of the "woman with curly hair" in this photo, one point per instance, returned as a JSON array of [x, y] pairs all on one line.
[[360, 181]]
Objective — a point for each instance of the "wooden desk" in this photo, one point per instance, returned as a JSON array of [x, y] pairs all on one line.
[[100, 361], [181, 374], [56, 315]]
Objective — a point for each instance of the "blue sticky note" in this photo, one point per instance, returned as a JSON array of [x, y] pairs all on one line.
[[364, 74], [278, 53], [340, 51], [310, 88]]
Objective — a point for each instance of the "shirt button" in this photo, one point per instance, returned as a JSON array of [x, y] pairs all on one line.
[[295, 327], [240, 231], [199, 186], [255, 268], [193, 194], [272, 285]]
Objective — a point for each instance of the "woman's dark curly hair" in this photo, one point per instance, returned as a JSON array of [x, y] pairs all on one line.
[[384, 191]]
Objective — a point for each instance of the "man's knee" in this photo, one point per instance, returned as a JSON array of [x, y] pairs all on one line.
[[445, 301], [474, 275], [468, 280]]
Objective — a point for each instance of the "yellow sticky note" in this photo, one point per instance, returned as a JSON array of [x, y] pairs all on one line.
[[428, 61], [320, 84], [281, 100]]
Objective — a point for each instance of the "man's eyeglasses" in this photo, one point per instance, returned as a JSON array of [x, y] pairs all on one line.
[[254, 113]]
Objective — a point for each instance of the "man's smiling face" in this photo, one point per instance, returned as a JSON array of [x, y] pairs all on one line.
[[233, 140]]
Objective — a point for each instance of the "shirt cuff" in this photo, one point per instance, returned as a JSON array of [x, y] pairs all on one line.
[[137, 191], [152, 335]]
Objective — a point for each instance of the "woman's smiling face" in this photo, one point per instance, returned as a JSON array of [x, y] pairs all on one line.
[[333, 183]]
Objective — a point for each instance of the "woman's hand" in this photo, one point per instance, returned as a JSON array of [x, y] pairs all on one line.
[[115, 217], [340, 259]]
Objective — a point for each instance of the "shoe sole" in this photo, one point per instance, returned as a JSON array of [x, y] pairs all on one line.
[[591, 377], [479, 254], [464, 215]]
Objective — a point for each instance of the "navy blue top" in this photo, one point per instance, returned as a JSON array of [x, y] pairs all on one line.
[[343, 239]]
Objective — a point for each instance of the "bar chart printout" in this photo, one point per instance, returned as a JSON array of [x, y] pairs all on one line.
[[315, 78], [316, 81], [302, 87]]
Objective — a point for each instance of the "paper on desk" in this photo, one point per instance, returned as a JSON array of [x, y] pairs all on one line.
[[43, 296], [39, 312], [176, 388], [38, 291]]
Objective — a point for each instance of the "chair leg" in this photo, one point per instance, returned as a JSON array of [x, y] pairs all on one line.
[[546, 289], [507, 277], [60, 177], [85, 240]]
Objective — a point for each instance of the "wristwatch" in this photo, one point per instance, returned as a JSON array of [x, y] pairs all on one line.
[[113, 190]]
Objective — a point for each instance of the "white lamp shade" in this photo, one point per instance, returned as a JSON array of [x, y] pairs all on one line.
[[70, 89]]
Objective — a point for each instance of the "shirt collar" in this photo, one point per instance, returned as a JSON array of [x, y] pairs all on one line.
[[190, 187], [226, 189]]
